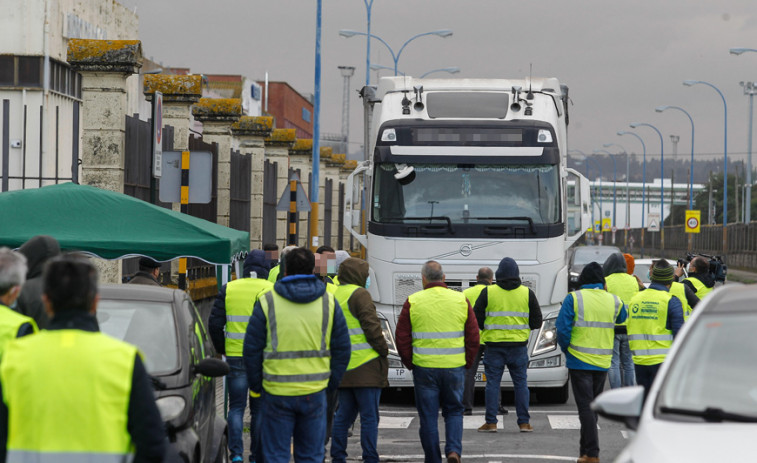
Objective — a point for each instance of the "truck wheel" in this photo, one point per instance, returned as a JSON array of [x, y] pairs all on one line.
[[554, 395]]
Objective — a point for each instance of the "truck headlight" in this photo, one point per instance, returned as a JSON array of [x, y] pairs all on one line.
[[546, 341], [387, 331]]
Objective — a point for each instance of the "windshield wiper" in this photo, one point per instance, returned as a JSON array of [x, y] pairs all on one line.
[[430, 219], [711, 414], [524, 219]]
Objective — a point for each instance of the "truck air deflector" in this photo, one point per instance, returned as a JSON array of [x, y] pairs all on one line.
[[486, 151]]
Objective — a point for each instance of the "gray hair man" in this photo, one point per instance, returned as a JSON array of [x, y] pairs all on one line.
[[12, 276]]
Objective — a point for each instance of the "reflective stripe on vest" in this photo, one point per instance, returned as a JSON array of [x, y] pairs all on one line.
[[507, 315], [679, 290], [83, 416], [10, 323], [648, 338], [296, 358], [593, 334], [438, 316], [362, 352], [622, 285], [241, 296], [700, 288]]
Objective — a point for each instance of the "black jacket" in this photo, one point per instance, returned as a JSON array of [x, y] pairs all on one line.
[[144, 422], [534, 310], [38, 251]]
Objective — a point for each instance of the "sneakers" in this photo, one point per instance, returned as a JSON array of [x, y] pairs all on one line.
[[453, 457], [237, 459], [526, 427], [488, 427], [587, 459]]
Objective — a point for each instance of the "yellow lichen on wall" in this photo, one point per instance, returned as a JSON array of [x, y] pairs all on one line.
[[338, 158], [350, 164], [253, 123], [173, 84], [326, 152], [115, 51], [303, 146], [282, 135], [218, 107]]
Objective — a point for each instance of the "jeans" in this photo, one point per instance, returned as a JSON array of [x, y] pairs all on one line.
[[354, 400], [645, 375], [300, 418], [587, 385], [236, 382], [621, 372], [435, 387], [470, 380], [516, 359]]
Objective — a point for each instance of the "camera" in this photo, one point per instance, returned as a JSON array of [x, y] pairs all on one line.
[[717, 269]]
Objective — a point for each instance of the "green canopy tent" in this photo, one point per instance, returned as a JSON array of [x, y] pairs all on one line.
[[112, 225]]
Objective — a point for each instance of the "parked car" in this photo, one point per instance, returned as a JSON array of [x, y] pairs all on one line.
[[583, 255], [166, 327], [703, 403], [641, 270]]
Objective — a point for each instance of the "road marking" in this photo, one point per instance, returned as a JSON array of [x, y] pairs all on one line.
[[474, 422], [467, 456], [395, 422], [565, 422]]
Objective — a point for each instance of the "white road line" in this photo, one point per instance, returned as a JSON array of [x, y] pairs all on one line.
[[565, 422], [395, 422], [466, 456], [475, 422]]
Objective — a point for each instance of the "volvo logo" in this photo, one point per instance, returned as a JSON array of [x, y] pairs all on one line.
[[466, 250]]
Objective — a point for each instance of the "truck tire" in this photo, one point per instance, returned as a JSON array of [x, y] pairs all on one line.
[[554, 395]]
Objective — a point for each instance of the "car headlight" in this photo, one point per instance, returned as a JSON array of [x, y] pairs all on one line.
[[387, 331], [546, 341], [171, 407]]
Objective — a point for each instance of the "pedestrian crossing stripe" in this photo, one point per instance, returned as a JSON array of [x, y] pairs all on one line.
[[557, 421], [565, 422], [395, 422]]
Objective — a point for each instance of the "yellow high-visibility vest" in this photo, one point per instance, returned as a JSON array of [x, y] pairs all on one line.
[[241, 296], [10, 323], [701, 289], [648, 338], [679, 290], [362, 352], [506, 315], [80, 416], [622, 285], [438, 316], [593, 335], [473, 292]]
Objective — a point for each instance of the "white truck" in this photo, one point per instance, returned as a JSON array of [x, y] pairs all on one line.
[[466, 172]]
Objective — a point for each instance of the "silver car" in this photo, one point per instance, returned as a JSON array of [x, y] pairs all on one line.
[[703, 403]]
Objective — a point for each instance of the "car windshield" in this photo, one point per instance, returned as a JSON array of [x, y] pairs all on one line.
[[587, 254], [148, 325], [716, 368], [468, 193]]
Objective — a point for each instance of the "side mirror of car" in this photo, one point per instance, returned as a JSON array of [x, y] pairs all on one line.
[[211, 367], [623, 404]]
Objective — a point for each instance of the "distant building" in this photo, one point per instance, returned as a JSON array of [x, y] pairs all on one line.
[[290, 110], [40, 97]]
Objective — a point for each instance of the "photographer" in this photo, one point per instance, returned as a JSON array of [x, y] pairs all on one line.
[[700, 281]]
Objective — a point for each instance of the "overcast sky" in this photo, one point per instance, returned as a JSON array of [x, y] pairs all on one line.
[[620, 59]]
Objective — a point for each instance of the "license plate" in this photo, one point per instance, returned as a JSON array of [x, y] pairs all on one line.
[[398, 373], [480, 377]]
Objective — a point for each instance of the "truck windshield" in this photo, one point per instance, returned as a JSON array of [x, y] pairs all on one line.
[[466, 193]]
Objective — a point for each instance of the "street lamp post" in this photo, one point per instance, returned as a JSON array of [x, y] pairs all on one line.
[[749, 89], [614, 186], [662, 183], [690, 83], [628, 189], [451, 70], [443, 33], [643, 183]]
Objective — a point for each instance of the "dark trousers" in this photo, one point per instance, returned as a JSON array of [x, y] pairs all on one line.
[[587, 385], [645, 375], [470, 380]]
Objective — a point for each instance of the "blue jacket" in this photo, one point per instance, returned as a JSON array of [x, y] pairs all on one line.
[[564, 326], [299, 289]]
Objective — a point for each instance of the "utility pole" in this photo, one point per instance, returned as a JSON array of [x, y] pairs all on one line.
[[674, 139], [749, 89], [347, 72]]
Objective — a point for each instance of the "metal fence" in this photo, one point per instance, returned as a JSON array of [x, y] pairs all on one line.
[[240, 186], [270, 199], [138, 159]]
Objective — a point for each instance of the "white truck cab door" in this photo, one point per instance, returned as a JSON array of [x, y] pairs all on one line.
[[578, 214], [356, 201]]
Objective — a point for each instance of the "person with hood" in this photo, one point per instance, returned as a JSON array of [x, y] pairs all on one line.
[[227, 327], [654, 320], [341, 256], [12, 274], [585, 332], [625, 286], [507, 312], [360, 389], [699, 280], [38, 250], [148, 273], [295, 349]]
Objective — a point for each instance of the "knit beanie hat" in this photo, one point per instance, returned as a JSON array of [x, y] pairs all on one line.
[[508, 268], [630, 263], [662, 272], [591, 274]]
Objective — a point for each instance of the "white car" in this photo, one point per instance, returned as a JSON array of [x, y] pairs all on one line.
[[703, 403], [641, 269]]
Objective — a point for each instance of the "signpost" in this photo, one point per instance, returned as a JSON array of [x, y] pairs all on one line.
[[293, 201], [693, 221], [654, 222], [157, 142]]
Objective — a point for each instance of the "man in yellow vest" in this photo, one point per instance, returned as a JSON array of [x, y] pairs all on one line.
[[625, 286], [484, 278], [654, 318], [296, 347], [437, 338], [360, 389], [507, 312], [699, 280], [98, 398], [586, 332], [12, 275], [227, 326]]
